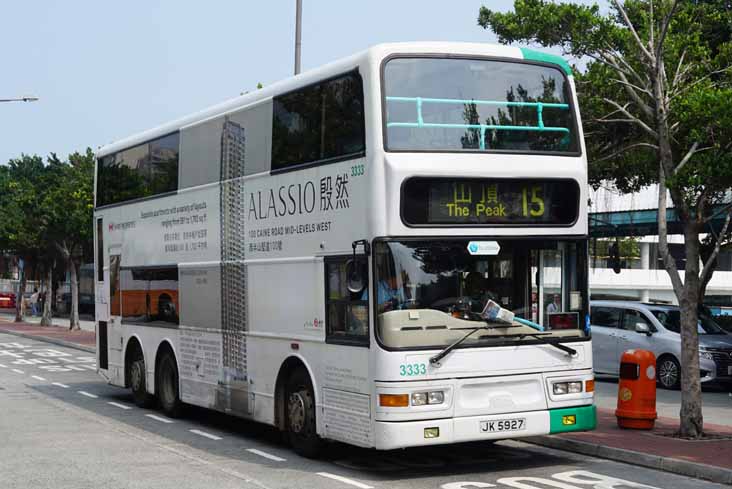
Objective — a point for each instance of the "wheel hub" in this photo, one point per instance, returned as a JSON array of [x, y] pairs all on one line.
[[136, 376], [296, 411], [668, 373]]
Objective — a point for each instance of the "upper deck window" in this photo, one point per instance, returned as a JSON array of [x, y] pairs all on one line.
[[141, 171], [318, 123], [452, 104]]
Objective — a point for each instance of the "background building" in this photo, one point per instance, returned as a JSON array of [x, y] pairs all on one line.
[[632, 218]]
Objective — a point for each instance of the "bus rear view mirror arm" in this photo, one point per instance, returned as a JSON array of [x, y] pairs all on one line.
[[355, 271]]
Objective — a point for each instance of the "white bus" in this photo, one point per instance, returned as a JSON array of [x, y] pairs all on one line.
[[317, 255]]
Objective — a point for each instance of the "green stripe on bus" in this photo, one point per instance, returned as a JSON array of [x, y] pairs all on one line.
[[585, 419], [532, 55]]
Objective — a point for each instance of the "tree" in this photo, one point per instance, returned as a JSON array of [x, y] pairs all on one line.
[[69, 205], [22, 223], [657, 101]]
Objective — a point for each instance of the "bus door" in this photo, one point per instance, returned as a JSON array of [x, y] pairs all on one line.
[[101, 300], [114, 332]]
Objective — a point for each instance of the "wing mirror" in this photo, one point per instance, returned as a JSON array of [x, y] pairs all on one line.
[[357, 275], [357, 270], [642, 328]]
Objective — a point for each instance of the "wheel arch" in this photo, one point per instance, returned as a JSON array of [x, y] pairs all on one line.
[[667, 355], [133, 345], [289, 365]]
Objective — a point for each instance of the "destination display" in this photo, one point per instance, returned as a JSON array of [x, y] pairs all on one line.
[[489, 201]]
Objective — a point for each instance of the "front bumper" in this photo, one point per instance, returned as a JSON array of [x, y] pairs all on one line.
[[402, 434]]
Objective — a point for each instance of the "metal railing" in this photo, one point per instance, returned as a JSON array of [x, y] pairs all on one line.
[[420, 101]]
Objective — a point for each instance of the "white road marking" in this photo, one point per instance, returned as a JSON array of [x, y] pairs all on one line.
[[121, 406], [207, 435], [159, 418], [18, 371], [266, 455], [37, 377], [87, 394], [59, 384], [344, 480], [3, 366], [90, 367]]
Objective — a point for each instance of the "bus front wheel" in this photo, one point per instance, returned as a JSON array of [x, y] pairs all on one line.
[[300, 410], [167, 381]]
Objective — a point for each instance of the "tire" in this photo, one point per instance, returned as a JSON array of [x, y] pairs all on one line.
[[300, 416], [669, 373], [167, 386], [138, 384]]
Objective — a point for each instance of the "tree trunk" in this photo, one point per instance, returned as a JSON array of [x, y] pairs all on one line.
[[19, 303], [692, 422], [47, 319], [74, 315]]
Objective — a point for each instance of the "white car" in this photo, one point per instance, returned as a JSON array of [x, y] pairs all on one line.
[[618, 326]]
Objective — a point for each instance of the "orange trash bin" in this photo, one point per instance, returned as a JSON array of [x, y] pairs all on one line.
[[637, 390]]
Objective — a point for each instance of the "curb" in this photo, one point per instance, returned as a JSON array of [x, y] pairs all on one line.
[[67, 344], [674, 466]]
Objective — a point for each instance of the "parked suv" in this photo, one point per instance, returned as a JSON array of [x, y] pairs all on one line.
[[623, 325]]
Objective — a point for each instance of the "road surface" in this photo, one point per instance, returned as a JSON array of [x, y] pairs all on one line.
[[61, 426]]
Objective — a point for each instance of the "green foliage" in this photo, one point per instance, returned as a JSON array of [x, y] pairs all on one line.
[[22, 223], [697, 54], [45, 207], [69, 203]]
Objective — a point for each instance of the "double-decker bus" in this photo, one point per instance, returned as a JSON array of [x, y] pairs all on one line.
[[323, 254]]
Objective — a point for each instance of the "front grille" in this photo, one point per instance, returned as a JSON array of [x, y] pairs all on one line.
[[723, 360]]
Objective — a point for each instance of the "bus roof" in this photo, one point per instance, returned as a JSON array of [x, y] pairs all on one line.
[[375, 53]]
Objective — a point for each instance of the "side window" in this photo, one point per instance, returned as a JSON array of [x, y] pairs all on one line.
[[149, 295], [605, 316], [346, 313], [318, 123], [631, 317], [142, 171], [115, 298]]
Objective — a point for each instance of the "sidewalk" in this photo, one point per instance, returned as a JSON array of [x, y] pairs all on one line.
[[704, 459], [58, 334]]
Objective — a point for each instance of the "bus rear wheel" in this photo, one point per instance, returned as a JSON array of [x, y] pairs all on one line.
[[138, 385], [167, 382], [300, 412]]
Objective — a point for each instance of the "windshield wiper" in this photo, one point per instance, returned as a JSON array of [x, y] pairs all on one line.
[[436, 359], [566, 349], [538, 336]]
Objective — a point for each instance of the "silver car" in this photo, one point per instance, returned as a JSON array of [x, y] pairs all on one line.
[[623, 325]]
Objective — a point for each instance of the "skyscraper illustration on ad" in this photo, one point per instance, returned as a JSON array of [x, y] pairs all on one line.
[[233, 272]]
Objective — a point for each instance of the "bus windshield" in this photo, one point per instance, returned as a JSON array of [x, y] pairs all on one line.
[[428, 292], [439, 104]]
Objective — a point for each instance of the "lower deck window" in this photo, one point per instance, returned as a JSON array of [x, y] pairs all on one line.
[[150, 295], [347, 313]]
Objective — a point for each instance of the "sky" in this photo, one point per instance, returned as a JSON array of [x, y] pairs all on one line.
[[107, 70]]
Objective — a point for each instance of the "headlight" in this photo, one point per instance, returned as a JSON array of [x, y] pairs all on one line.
[[705, 354], [432, 397], [561, 388], [419, 398], [437, 397]]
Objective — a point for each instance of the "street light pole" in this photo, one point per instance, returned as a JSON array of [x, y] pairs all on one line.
[[19, 99], [298, 34]]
